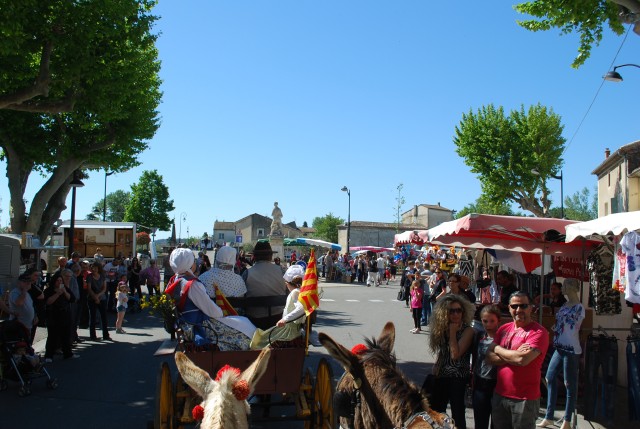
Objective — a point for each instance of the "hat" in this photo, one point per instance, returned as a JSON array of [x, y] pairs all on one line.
[[181, 260], [571, 283], [426, 273], [293, 272], [25, 277], [86, 262], [226, 255], [262, 248]]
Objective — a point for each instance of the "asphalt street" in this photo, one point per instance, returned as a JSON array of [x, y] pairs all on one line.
[[113, 384]]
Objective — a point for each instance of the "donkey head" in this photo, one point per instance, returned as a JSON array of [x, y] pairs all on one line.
[[224, 399], [387, 398]]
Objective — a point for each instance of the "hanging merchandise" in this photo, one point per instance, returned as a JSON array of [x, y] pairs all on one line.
[[604, 298], [619, 268], [601, 371], [630, 245]]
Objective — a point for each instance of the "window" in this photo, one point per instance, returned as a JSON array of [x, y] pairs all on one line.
[[260, 232], [221, 236]]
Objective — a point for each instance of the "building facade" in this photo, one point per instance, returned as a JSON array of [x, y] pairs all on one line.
[[619, 180], [379, 234], [429, 215]]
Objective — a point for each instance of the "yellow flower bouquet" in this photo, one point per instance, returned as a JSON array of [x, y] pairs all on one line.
[[164, 306]]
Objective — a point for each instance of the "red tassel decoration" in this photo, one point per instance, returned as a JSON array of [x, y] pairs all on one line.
[[358, 349], [241, 390], [197, 412]]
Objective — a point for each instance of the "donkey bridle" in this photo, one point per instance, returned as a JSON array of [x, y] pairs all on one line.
[[355, 402]]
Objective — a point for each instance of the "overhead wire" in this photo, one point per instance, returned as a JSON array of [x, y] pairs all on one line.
[[597, 92]]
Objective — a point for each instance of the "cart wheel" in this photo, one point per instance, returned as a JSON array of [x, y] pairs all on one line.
[[52, 383], [308, 380], [181, 393], [323, 396], [164, 398], [24, 391], [3, 385]]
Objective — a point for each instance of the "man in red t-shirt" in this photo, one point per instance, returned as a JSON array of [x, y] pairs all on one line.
[[518, 350]]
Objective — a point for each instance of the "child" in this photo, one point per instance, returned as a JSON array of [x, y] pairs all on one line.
[[121, 305], [289, 327], [416, 293], [484, 375]]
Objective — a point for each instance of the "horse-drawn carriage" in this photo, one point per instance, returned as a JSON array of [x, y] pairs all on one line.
[[283, 380]]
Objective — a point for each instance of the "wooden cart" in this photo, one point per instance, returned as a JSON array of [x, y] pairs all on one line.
[[286, 383]]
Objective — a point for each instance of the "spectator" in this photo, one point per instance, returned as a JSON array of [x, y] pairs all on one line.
[[230, 283], [21, 305], [111, 273], [75, 259], [99, 257], [451, 339], [134, 278], [518, 351], [59, 297], [97, 290], [329, 262], [168, 271], [39, 306], [504, 280], [264, 279], [372, 278], [555, 299], [380, 262], [62, 264], [484, 374], [151, 277], [440, 286], [77, 289]]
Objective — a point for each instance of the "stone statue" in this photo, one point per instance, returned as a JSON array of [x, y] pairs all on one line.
[[276, 224]]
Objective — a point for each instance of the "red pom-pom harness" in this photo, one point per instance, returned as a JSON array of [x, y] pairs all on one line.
[[197, 412], [358, 349]]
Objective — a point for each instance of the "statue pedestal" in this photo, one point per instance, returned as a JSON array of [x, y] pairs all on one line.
[[277, 245]]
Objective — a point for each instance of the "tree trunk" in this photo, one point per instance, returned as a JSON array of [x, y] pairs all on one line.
[[17, 176]]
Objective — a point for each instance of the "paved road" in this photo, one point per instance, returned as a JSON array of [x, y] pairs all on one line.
[[113, 384]]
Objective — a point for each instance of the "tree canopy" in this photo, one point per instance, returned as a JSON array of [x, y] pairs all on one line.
[[327, 227], [581, 205], [503, 150], [150, 204], [79, 89], [588, 18], [117, 202], [481, 205]]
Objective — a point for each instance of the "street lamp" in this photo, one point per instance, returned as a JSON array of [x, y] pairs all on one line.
[[183, 217], [345, 189], [75, 183], [614, 76], [104, 202], [537, 173]]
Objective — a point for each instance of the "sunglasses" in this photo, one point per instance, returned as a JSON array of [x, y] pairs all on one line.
[[457, 310], [516, 306]]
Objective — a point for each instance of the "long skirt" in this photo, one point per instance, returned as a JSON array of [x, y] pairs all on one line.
[[225, 337], [288, 332]]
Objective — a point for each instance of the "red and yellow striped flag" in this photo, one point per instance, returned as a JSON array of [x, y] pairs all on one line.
[[309, 290]]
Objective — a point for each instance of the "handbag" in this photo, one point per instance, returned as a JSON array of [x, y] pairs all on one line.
[[400, 296]]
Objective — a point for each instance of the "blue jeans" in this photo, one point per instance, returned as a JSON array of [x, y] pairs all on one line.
[[633, 374], [426, 309], [568, 362], [599, 397], [481, 399]]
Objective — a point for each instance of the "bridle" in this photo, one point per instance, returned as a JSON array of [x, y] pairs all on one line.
[[355, 402]]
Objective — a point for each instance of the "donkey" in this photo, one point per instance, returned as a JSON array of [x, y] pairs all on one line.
[[372, 393], [224, 402]]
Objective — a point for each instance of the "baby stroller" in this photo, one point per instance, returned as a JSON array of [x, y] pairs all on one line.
[[133, 304], [18, 362]]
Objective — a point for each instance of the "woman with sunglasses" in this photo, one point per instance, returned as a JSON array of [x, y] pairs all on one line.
[[450, 340]]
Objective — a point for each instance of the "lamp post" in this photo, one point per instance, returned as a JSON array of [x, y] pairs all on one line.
[[345, 189], [104, 202], [614, 76], [75, 183], [537, 173], [183, 217]]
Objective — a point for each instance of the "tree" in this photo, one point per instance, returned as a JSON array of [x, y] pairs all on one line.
[[117, 202], [79, 91], [503, 150], [585, 17], [150, 203], [399, 202], [327, 227], [481, 205], [580, 206], [305, 225]]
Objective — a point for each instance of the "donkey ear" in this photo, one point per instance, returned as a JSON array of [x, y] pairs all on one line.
[[348, 360], [257, 369], [195, 377], [387, 337]]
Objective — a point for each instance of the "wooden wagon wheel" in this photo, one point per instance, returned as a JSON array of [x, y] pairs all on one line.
[[164, 399], [307, 380], [323, 397]]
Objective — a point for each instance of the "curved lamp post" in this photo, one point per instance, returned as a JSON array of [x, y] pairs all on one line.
[[345, 189], [614, 76], [104, 204], [537, 173], [183, 217]]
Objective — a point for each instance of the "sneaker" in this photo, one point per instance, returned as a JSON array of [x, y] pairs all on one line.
[[120, 331]]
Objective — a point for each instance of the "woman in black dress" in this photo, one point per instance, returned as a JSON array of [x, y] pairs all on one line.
[[134, 277], [58, 298]]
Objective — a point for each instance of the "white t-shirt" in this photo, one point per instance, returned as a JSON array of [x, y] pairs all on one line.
[[568, 320], [122, 299], [630, 244], [380, 261]]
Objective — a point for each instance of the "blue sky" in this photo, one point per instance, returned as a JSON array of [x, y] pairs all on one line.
[[289, 101]]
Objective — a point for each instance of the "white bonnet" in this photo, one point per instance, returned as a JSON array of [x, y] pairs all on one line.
[[293, 272], [181, 260], [226, 255]]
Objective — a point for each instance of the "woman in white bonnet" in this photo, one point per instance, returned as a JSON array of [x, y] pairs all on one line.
[[289, 327], [231, 332]]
